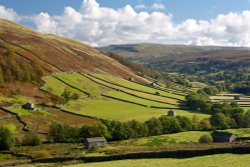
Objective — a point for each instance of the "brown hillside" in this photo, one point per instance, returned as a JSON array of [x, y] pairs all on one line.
[[56, 54]]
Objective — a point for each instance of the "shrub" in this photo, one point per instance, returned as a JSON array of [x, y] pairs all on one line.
[[75, 96], [7, 139], [205, 139], [42, 154], [31, 140]]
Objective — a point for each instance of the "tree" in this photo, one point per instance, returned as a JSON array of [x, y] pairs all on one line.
[[155, 126], [205, 139], [7, 139], [97, 130], [170, 125], [75, 96], [205, 124], [121, 131], [185, 123], [139, 129], [219, 121], [66, 95]]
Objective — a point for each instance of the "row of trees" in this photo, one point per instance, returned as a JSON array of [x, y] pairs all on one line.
[[225, 115], [115, 130], [13, 70]]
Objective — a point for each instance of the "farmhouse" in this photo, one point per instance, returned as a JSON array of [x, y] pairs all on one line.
[[95, 142], [172, 113], [28, 106], [223, 137]]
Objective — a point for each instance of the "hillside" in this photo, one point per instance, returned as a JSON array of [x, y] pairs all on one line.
[[55, 54], [181, 58]]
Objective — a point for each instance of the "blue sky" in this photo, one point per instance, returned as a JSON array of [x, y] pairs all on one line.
[[181, 9], [104, 22]]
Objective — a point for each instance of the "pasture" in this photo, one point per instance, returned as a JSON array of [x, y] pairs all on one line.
[[110, 109], [135, 86]]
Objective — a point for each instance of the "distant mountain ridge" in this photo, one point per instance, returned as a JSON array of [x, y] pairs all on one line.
[[183, 58]]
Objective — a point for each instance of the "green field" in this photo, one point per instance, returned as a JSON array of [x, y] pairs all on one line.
[[57, 87], [111, 109], [176, 138], [83, 83], [116, 110], [137, 93], [124, 96], [132, 85], [220, 160], [163, 140]]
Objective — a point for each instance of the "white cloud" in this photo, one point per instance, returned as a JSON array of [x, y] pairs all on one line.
[[8, 14], [100, 26], [158, 6]]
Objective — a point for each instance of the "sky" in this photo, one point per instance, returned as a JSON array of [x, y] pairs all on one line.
[[106, 22]]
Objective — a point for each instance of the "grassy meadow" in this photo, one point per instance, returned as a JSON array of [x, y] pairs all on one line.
[[116, 110], [111, 109]]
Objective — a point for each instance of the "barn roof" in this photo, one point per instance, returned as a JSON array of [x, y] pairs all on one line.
[[222, 134]]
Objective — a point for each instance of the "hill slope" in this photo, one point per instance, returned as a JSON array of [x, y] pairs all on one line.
[[184, 58], [55, 54]]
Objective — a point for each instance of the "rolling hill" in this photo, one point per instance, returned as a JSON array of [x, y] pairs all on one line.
[[55, 54], [181, 58]]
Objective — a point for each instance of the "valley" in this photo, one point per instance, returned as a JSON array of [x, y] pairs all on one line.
[[56, 92]]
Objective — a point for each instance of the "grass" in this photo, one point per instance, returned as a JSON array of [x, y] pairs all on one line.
[[116, 110], [57, 87], [228, 160], [83, 83], [124, 96], [140, 94], [24, 112], [21, 111], [129, 84], [164, 140]]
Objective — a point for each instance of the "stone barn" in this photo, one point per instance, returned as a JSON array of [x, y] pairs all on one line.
[[153, 84], [172, 113], [95, 142], [28, 106], [236, 97], [221, 137]]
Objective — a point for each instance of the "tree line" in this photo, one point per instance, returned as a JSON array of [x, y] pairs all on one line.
[[223, 115], [116, 130]]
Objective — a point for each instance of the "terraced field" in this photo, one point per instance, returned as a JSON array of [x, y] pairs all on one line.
[[136, 86], [115, 102], [148, 103], [243, 101], [57, 87], [83, 83]]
